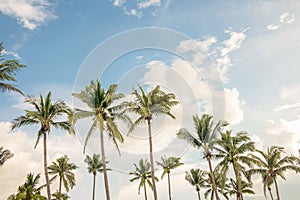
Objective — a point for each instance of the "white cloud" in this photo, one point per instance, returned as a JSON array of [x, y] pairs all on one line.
[[30, 14], [119, 2], [287, 106], [282, 133], [11, 53], [234, 42], [21, 145], [273, 27], [148, 3], [196, 45], [285, 18]]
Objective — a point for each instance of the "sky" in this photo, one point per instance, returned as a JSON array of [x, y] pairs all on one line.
[[236, 60]]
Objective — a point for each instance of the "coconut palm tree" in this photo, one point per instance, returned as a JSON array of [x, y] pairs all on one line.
[[8, 68], [272, 165], [29, 190], [142, 172], [59, 196], [220, 181], [245, 188], [94, 165], [4, 155], [196, 177], [45, 113], [167, 164], [64, 171], [205, 137], [232, 150], [104, 112], [146, 105]]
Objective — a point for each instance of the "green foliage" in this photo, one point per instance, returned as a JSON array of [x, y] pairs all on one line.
[[63, 170], [4, 155], [168, 163], [8, 69]]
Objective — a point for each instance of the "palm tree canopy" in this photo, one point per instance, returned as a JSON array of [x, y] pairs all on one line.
[[29, 189], [145, 105], [196, 177], [45, 113], [59, 196], [271, 165], [102, 109], [205, 135], [63, 169], [4, 155], [168, 163], [142, 172], [232, 189], [94, 164], [233, 149], [8, 68]]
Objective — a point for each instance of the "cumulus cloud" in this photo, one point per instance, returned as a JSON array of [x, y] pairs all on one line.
[[11, 53], [30, 14], [287, 106], [21, 144], [285, 18]]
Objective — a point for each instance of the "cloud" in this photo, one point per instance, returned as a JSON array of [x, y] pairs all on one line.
[[148, 3], [11, 53], [285, 18], [137, 8], [287, 106], [30, 14], [21, 144]]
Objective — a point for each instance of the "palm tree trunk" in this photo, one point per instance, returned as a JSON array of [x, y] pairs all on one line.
[[212, 177], [238, 183], [169, 185], [271, 195], [199, 197], [104, 166], [277, 189], [59, 188], [151, 160], [145, 191], [46, 166], [94, 184]]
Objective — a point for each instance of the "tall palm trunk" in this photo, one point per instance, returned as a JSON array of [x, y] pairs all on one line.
[[277, 189], [59, 189], [271, 195], [94, 184], [169, 185], [212, 177], [239, 195], [145, 191], [198, 192], [46, 166], [151, 159], [104, 166]]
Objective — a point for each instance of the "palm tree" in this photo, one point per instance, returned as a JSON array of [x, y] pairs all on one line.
[[45, 113], [4, 155], [64, 170], [142, 172], [196, 177], [145, 105], [272, 165], [29, 190], [104, 112], [167, 164], [59, 196], [245, 188], [205, 138], [220, 181], [94, 165], [8, 68], [232, 150]]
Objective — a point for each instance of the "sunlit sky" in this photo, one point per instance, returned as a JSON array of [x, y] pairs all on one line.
[[237, 60]]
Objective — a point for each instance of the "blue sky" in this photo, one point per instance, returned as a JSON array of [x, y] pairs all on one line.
[[237, 60]]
